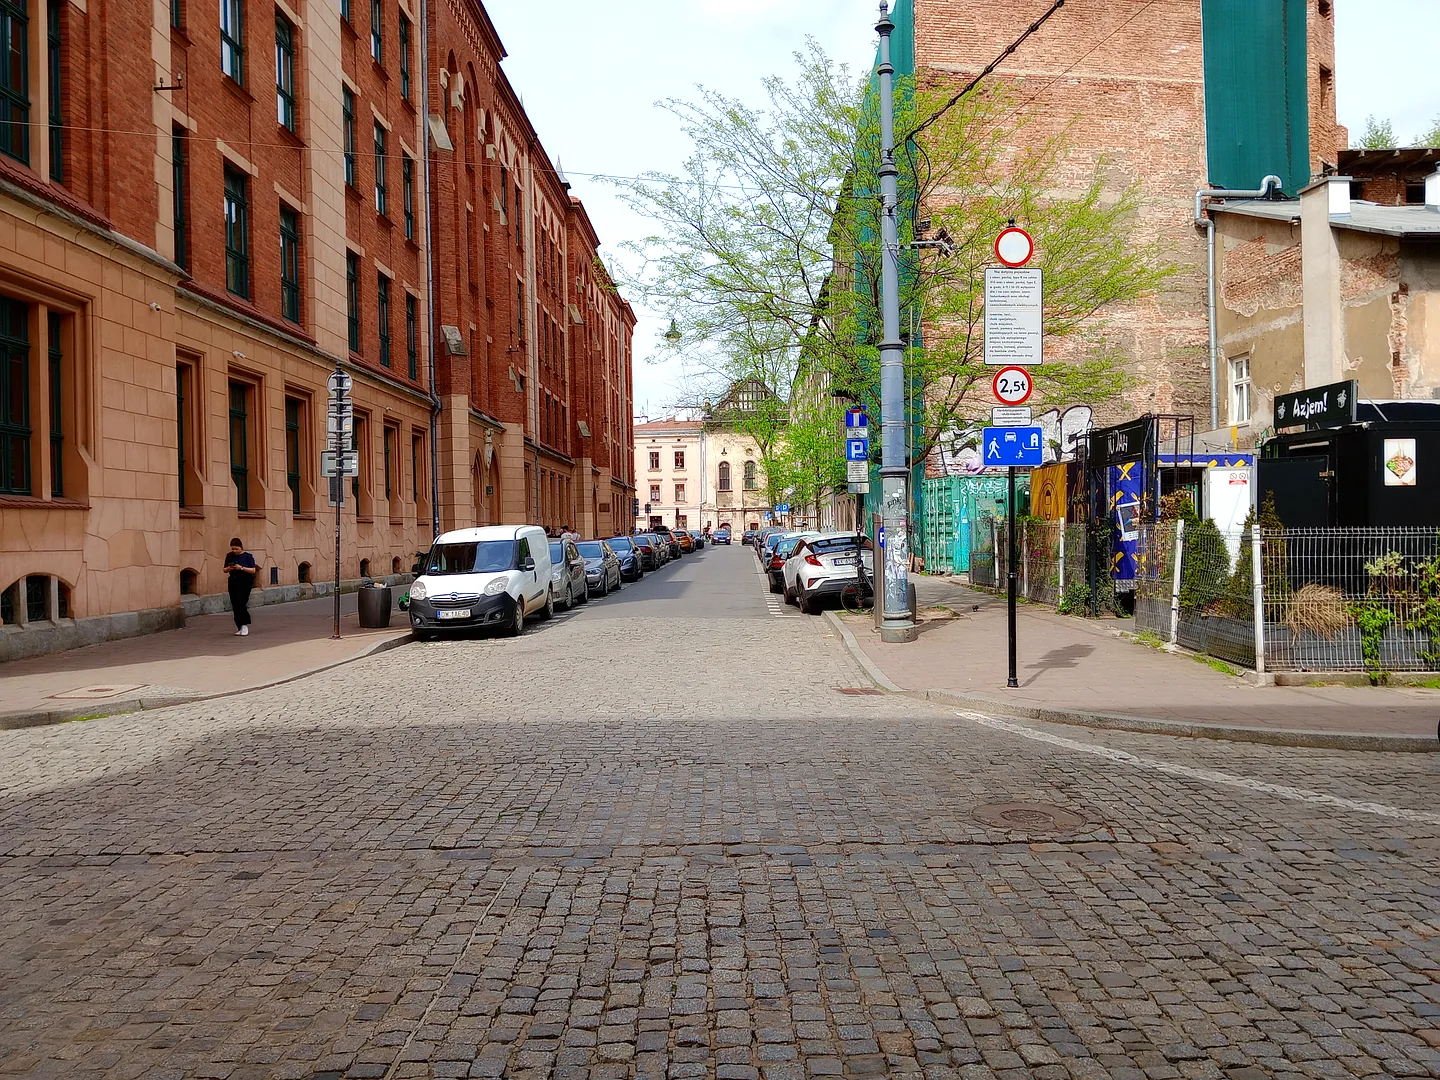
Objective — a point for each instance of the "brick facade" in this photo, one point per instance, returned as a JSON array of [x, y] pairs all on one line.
[[182, 277], [1125, 83]]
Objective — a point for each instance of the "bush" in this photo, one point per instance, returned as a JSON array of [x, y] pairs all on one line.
[[1319, 609], [1205, 568], [1076, 599]]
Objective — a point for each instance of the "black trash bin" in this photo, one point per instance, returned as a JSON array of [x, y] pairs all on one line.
[[374, 606]]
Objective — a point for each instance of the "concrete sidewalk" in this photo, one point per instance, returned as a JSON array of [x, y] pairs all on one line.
[[204, 659], [1078, 671]]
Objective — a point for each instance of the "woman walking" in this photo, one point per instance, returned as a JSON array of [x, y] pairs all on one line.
[[241, 569]]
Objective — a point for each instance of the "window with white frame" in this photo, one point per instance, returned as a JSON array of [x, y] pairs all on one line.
[[1240, 390]]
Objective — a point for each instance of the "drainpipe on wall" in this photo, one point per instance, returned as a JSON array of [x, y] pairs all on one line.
[[1268, 186], [435, 405]]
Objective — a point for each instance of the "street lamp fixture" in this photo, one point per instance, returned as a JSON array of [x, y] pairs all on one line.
[[673, 334]]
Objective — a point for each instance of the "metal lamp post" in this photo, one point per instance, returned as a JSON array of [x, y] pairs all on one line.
[[897, 623]]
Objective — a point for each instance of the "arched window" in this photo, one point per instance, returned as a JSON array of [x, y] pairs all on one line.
[[364, 568], [303, 575], [749, 476], [395, 565], [724, 476], [188, 578]]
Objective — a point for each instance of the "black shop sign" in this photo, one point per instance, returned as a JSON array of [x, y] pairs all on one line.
[[1319, 406]]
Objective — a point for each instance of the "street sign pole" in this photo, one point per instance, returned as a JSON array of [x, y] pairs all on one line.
[[1010, 577]]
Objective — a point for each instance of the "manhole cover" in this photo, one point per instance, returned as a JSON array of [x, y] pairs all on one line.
[[857, 690], [1029, 817], [96, 693]]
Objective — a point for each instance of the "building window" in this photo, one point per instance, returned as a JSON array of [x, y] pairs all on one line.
[[391, 435], [377, 36], [417, 469], [237, 232], [352, 298], [284, 72], [412, 336], [289, 263], [404, 58], [679, 459], [177, 15], [1240, 390], [1415, 194], [520, 307], [293, 408], [14, 398], [682, 521], [654, 493], [381, 203], [15, 80], [749, 476], [347, 97], [382, 316], [37, 598], [240, 443], [57, 91], [407, 193], [54, 325], [519, 233], [185, 430], [679, 493], [362, 485], [345, 11], [179, 196], [654, 459], [724, 476], [232, 39]]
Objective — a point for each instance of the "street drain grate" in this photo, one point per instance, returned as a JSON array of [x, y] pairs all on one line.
[[858, 691], [1029, 817]]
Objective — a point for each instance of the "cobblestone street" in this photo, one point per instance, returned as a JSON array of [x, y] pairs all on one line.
[[655, 839]]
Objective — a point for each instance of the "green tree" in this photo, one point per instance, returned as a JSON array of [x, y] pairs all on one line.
[[1378, 135], [765, 246], [1431, 137]]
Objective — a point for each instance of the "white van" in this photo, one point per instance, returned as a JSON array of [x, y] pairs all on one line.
[[494, 576]]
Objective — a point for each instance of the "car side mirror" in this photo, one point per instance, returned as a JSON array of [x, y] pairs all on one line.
[[527, 564], [415, 568]]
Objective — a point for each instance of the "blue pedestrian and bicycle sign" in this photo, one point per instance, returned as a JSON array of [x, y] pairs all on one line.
[[1023, 447]]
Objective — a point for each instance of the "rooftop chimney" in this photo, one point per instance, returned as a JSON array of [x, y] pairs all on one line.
[[1338, 192]]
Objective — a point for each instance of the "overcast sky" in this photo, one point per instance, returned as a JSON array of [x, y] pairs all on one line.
[[590, 74]]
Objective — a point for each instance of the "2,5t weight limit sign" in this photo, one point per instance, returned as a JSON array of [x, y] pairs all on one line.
[[1013, 386]]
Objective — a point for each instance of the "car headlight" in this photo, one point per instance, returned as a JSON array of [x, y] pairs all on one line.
[[418, 591], [555, 574], [495, 588]]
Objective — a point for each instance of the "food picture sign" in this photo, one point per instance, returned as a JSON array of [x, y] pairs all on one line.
[[1399, 462]]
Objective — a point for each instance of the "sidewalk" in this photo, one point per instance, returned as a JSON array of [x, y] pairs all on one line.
[[1078, 671], [203, 660]]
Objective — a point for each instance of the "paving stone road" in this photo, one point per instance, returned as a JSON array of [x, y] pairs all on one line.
[[654, 840]]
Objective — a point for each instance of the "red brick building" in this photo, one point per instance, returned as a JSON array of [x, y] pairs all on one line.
[[202, 211]]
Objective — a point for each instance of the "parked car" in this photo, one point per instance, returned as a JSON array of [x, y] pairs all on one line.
[[822, 565], [699, 538], [685, 540], [663, 551], [720, 536], [632, 568], [775, 566], [602, 567], [495, 576], [765, 544], [567, 574], [663, 534], [649, 549], [748, 537]]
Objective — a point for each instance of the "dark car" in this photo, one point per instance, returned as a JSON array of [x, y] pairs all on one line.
[[765, 544], [748, 537], [649, 549], [602, 566], [567, 574], [698, 537], [663, 554], [632, 568], [720, 536], [665, 536], [780, 551]]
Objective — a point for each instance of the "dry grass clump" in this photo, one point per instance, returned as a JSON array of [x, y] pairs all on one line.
[[1319, 609]]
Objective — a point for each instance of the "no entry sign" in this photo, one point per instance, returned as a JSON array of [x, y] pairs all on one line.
[[1013, 386]]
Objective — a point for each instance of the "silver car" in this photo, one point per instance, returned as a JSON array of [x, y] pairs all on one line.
[[567, 574]]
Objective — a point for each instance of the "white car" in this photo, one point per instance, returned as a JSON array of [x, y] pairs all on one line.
[[822, 565], [489, 577]]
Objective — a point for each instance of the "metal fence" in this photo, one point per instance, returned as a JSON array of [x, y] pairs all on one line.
[[985, 552], [1330, 600], [1050, 555]]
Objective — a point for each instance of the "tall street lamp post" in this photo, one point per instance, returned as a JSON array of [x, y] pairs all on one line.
[[897, 623]]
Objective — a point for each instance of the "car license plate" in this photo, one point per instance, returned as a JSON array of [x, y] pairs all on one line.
[[846, 561], [454, 613]]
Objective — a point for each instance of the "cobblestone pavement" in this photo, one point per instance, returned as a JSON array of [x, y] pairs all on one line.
[[669, 847]]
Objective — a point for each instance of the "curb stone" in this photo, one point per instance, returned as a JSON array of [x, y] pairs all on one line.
[[97, 710], [1327, 740]]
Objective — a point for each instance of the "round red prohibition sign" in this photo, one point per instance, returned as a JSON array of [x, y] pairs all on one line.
[[1014, 247], [1013, 386]]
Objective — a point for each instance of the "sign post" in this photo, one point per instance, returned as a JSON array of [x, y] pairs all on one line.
[[857, 455], [1014, 448], [339, 461]]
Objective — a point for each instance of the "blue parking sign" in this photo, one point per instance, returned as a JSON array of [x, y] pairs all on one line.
[[857, 449]]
